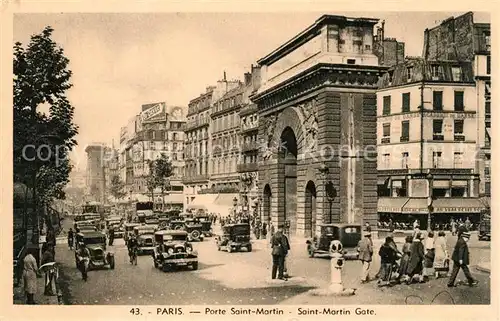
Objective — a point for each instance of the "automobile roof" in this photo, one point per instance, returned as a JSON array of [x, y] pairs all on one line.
[[171, 232], [90, 234]]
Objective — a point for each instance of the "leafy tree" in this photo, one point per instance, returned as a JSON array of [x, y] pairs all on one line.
[[117, 187], [162, 172], [41, 76]]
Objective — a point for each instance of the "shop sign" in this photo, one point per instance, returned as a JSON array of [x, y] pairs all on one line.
[[458, 209], [415, 210], [389, 209]]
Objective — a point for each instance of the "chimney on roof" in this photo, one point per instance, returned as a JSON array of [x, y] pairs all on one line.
[[248, 78], [382, 31], [224, 76]]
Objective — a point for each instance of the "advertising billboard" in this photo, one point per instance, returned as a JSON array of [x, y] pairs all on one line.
[[153, 113]]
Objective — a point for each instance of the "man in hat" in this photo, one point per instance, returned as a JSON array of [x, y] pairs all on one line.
[[460, 259], [365, 250], [280, 248]]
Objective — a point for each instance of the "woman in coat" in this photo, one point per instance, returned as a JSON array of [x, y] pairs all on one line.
[[415, 264], [429, 255], [441, 259], [405, 260], [30, 270]]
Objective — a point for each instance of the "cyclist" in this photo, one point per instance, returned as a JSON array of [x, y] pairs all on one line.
[[132, 248]]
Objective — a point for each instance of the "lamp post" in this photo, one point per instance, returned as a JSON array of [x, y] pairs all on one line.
[[430, 208], [235, 203], [260, 208], [323, 171]]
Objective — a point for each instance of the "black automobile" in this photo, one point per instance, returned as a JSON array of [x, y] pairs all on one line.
[[194, 229], [172, 249], [348, 234], [145, 238], [234, 238], [96, 244], [206, 225]]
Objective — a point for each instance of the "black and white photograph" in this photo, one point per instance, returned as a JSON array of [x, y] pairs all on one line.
[[251, 161]]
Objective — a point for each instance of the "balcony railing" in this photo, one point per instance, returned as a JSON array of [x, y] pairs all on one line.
[[249, 127], [195, 179], [437, 137], [197, 123], [459, 137], [385, 140], [404, 138], [249, 167]]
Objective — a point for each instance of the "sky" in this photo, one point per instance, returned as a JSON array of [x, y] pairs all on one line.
[[123, 60]]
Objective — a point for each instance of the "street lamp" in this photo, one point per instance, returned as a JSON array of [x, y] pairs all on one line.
[[323, 171], [235, 203], [430, 208]]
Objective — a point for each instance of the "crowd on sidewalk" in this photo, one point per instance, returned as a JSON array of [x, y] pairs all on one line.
[[420, 258]]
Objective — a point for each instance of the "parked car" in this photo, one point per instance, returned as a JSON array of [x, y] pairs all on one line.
[[234, 238], [172, 249], [348, 234], [145, 238], [96, 244]]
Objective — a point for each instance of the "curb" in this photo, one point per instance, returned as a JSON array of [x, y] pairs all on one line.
[[483, 268]]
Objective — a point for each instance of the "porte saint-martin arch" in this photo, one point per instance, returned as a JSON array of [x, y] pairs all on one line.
[[317, 114]]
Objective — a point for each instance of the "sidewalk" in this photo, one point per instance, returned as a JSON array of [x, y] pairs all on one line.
[[484, 267], [40, 299]]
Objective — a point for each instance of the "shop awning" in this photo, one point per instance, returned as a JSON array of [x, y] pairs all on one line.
[[382, 180], [416, 206], [391, 204], [486, 201], [457, 205]]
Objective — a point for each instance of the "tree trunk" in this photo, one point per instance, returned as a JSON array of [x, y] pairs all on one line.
[[163, 199]]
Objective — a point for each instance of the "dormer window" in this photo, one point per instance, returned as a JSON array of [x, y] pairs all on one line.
[[435, 72], [409, 72], [391, 74], [456, 73]]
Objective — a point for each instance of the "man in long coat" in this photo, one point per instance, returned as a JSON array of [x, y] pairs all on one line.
[[30, 270], [460, 259], [279, 246], [365, 249]]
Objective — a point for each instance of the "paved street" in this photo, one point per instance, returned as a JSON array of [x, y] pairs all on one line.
[[244, 278]]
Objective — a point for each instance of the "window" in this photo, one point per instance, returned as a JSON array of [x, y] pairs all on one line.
[[457, 159], [387, 105], [406, 102], [404, 158], [386, 160], [435, 72], [437, 129], [458, 127], [487, 107], [488, 65], [487, 40], [405, 131], [436, 159], [437, 100], [386, 133], [459, 101], [174, 156], [174, 136], [174, 147], [409, 72], [487, 188], [351, 61], [456, 73]]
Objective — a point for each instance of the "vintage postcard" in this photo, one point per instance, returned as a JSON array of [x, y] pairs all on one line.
[[227, 163]]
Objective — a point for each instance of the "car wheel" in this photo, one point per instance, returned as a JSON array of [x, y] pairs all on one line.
[[249, 248], [196, 234], [165, 267], [195, 266], [112, 262]]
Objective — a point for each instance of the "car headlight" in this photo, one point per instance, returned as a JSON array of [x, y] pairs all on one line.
[[189, 249], [170, 251]]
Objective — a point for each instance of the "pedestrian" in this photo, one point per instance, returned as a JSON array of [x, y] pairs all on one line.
[[48, 257], [279, 251], [30, 272], [70, 238], [415, 264], [83, 257], [111, 235], [365, 250], [441, 259], [429, 255], [264, 230], [453, 227], [287, 248], [388, 258], [271, 229], [468, 224], [460, 259], [368, 227], [403, 265]]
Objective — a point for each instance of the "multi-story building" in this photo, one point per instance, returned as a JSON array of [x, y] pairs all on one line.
[[389, 51], [249, 145], [198, 148], [461, 39], [225, 139], [95, 180], [111, 168], [426, 141]]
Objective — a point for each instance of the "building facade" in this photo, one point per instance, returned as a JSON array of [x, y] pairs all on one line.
[[317, 116], [427, 142], [389, 51], [249, 144]]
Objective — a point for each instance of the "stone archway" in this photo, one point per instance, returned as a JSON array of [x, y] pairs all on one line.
[[310, 209], [266, 204], [287, 158]]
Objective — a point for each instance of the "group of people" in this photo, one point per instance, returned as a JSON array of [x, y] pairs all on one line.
[[419, 259]]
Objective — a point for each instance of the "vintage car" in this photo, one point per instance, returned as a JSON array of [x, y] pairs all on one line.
[[234, 238], [348, 234], [206, 225], [129, 229], [176, 223], [194, 229], [96, 244], [172, 249], [145, 238], [86, 226], [113, 220], [151, 221]]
